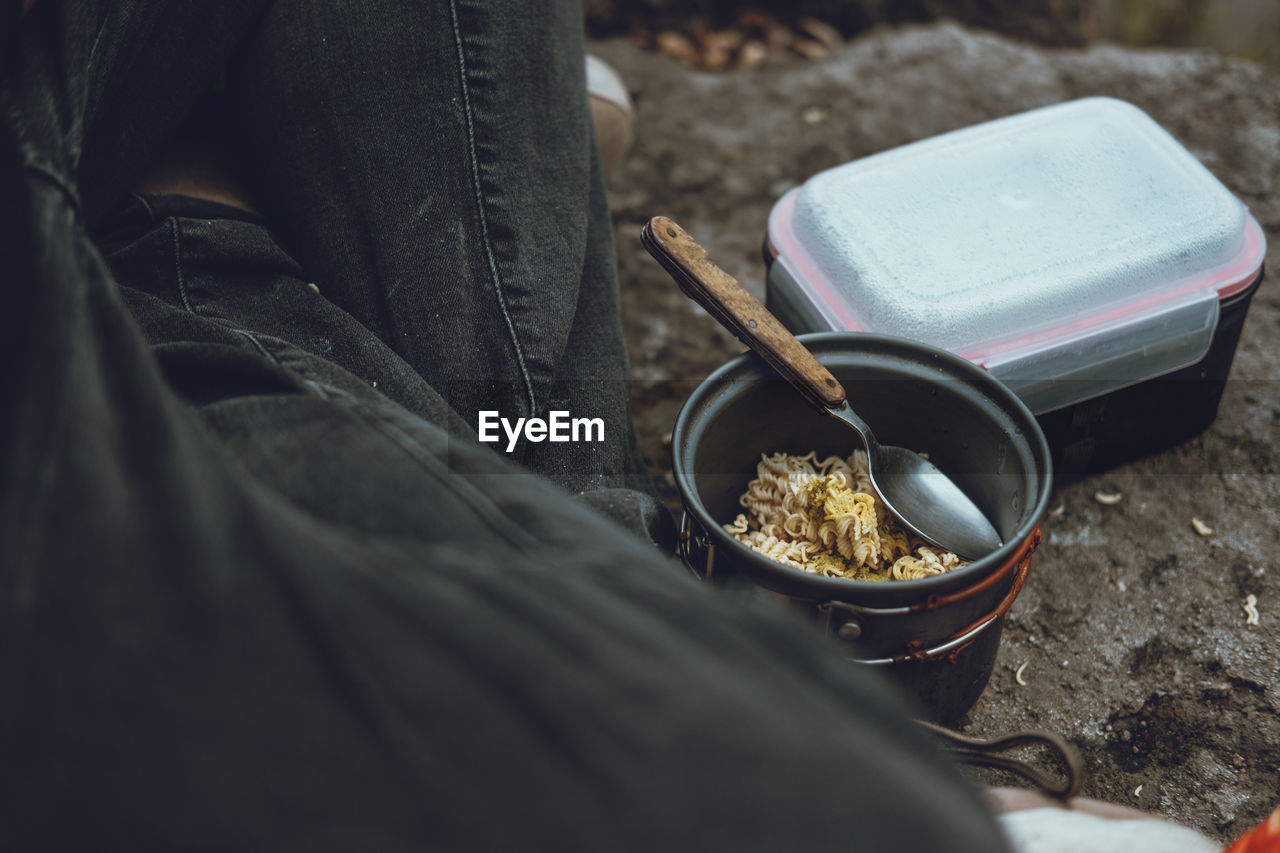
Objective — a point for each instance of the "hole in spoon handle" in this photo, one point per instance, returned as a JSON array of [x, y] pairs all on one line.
[[724, 298]]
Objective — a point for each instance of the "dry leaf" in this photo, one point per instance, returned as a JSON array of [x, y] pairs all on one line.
[[810, 49], [717, 48], [677, 46], [821, 32]]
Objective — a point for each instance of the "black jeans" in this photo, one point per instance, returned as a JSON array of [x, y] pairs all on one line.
[[260, 586]]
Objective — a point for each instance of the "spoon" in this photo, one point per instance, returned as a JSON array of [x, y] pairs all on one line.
[[912, 487]]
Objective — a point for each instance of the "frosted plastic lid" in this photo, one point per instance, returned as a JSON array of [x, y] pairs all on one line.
[[1074, 241]]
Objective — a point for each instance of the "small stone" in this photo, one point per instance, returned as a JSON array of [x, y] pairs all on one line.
[[677, 46], [814, 115]]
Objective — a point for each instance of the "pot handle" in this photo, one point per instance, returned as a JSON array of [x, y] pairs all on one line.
[[1029, 547], [695, 548], [985, 753], [949, 648]]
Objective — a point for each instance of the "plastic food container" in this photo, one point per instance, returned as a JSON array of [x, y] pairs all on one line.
[[1076, 252]]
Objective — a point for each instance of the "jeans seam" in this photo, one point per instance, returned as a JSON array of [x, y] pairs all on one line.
[[50, 175], [474, 159], [34, 163], [93, 50], [177, 265], [181, 279], [146, 205], [154, 224], [260, 347]]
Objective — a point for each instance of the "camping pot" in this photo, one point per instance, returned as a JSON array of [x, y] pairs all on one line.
[[936, 637]]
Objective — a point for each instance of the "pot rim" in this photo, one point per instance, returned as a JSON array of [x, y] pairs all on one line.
[[835, 587]]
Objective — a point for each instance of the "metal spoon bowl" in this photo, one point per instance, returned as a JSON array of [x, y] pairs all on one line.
[[914, 489]]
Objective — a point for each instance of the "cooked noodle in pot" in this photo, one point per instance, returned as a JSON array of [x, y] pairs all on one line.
[[824, 517]]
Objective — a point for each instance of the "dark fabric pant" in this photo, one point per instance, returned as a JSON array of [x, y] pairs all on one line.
[[260, 588]]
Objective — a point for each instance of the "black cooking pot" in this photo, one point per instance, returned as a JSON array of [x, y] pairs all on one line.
[[936, 636]]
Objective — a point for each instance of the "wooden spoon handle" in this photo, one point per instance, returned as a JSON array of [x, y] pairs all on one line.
[[724, 298]]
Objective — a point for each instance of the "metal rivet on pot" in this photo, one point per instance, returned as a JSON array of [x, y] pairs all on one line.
[[850, 630]]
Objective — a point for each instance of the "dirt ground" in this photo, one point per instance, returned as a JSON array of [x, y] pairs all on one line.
[[1131, 633]]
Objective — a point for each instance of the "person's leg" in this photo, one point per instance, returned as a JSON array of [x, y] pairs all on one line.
[[433, 166], [197, 654], [125, 73], [165, 676], [247, 604]]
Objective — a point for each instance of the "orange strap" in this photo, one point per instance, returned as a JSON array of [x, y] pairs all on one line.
[[1265, 838]]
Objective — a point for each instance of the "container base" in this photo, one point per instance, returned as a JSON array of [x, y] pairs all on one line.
[[1122, 426]]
